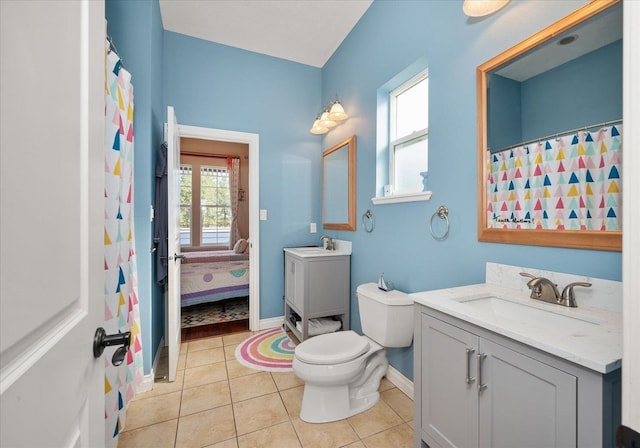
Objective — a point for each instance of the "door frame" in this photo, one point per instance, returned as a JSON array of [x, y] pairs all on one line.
[[253, 141]]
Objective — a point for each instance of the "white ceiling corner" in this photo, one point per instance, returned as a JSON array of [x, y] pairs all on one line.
[[304, 31]]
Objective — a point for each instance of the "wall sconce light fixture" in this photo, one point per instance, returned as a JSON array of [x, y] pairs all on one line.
[[480, 8], [329, 116]]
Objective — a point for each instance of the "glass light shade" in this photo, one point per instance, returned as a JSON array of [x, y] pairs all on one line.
[[479, 8], [318, 129], [337, 112], [325, 121]]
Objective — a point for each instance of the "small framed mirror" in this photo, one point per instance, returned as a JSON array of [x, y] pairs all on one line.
[[339, 186], [549, 135]]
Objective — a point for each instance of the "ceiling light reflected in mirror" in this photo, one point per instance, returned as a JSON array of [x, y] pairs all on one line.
[[481, 8]]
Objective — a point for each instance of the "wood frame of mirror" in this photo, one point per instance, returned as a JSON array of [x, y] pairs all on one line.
[[582, 239], [350, 143]]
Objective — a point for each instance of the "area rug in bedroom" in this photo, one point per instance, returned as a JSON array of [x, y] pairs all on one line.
[[270, 350], [214, 313]]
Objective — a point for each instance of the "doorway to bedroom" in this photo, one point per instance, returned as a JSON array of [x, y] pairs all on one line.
[[218, 293]]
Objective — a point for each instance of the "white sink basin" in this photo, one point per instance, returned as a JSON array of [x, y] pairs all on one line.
[[495, 307]]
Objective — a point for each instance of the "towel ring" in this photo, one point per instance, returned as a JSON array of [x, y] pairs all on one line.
[[368, 221], [442, 213]]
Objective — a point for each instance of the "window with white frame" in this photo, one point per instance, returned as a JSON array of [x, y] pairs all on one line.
[[205, 203], [409, 134], [215, 205]]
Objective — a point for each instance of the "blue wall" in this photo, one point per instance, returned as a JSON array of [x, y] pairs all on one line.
[[584, 91], [217, 86], [504, 112], [390, 37], [136, 30]]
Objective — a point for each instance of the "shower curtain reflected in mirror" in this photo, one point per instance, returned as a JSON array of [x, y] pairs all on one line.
[[571, 182]]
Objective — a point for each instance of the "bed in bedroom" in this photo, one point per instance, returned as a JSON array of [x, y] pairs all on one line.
[[213, 276]]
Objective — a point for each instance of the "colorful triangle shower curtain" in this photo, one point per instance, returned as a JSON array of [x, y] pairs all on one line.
[[121, 282], [571, 182]]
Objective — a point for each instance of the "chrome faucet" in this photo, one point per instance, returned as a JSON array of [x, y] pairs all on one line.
[[542, 288], [331, 245], [547, 291], [568, 298]]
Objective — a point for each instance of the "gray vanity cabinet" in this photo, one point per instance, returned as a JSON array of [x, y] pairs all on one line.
[[316, 287], [474, 388], [524, 400], [449, 406]]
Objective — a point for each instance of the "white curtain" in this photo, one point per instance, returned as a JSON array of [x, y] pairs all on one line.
[[233, 165]]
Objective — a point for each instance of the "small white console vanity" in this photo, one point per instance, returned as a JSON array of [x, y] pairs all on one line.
[[495, 368], [317, 285]]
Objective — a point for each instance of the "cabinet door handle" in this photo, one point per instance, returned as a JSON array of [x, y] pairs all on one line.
[[468, 378], [480, 357]]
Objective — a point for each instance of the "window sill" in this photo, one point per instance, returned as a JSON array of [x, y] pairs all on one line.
[[406, 197]]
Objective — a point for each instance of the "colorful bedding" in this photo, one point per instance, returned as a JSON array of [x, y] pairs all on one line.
[[213, 281], [213, 255]]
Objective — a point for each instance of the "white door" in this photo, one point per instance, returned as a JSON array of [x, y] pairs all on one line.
[[51, 222], [175, 258]]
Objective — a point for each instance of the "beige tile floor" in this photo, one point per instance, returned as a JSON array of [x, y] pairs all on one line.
[[217, 402]]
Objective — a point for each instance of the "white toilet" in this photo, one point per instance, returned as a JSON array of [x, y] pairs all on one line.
[[342, 370]]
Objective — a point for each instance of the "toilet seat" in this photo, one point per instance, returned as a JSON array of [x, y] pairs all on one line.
[[332, 348]]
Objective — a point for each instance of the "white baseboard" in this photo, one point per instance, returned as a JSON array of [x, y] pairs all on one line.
[[272, 322], [148, 380], [400, 381], [147, 383]]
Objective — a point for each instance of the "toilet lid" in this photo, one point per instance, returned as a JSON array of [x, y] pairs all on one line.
[[332, 348]]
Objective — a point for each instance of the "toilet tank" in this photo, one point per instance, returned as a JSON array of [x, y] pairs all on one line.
[[386, 316]]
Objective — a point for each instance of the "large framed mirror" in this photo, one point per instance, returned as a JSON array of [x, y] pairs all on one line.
[[549, 135], [339, 186]]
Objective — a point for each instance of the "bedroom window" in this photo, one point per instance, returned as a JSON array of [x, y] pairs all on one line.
[[205, 199], [215, 203]]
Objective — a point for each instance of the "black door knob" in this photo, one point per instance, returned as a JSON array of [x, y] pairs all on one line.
[[101, 340]]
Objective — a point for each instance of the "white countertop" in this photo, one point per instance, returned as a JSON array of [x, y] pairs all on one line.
[[342, 248], [595, 341]]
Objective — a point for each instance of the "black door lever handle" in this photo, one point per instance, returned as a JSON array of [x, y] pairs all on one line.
[[101, 340]]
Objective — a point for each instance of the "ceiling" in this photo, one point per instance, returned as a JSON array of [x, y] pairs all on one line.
[[601, 30], [304, 31]]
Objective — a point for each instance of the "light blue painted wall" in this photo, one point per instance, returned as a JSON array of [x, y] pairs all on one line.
[[581, 92], [390, 37], [336, 185], [504, 112], [217, 86], [585, 91], [136, 30]]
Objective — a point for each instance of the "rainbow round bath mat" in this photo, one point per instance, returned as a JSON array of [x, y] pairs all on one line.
[[270, 350]]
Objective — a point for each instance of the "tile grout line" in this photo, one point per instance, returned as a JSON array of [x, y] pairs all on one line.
[[233, 408], [287, 411], [175, 439]]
